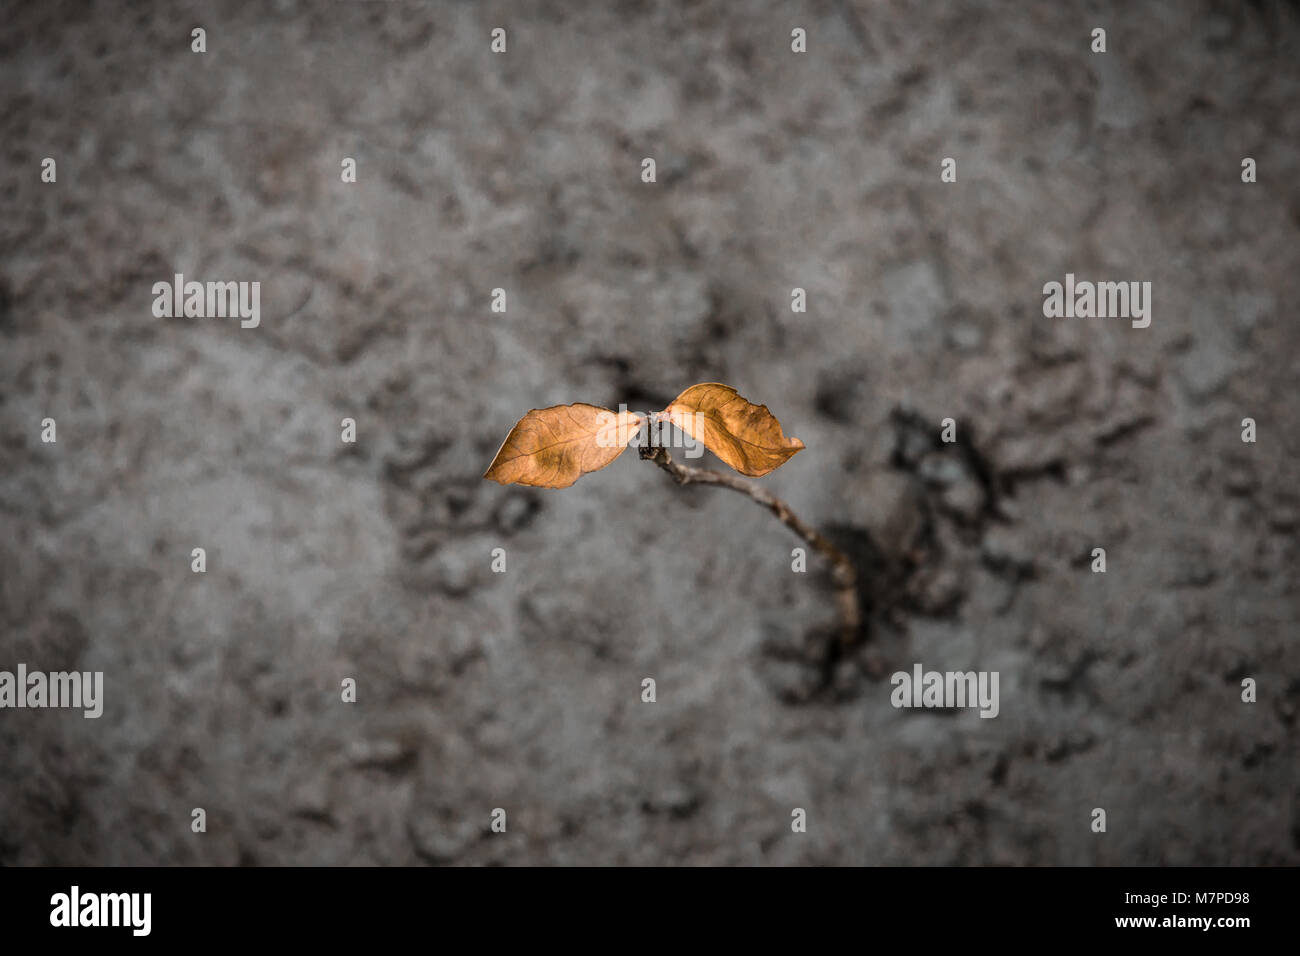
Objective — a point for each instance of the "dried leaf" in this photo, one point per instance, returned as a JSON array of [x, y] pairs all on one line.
[[553, 447], [746, 436]]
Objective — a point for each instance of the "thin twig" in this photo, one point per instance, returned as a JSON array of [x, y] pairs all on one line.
[[843, 574]]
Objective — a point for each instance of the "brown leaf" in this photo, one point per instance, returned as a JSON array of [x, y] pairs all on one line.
[[746, 436], [553, 447]]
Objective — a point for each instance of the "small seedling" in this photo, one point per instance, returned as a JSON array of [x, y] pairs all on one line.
[[553, 447]]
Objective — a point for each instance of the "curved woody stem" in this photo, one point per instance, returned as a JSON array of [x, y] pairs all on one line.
[[844, 575]]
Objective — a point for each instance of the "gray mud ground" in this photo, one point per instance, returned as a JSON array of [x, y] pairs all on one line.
[[522, 690]]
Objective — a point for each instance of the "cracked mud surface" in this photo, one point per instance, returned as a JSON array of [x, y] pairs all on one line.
[[522, 690]]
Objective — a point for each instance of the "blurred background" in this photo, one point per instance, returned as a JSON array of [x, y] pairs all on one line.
[[522, 690]]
